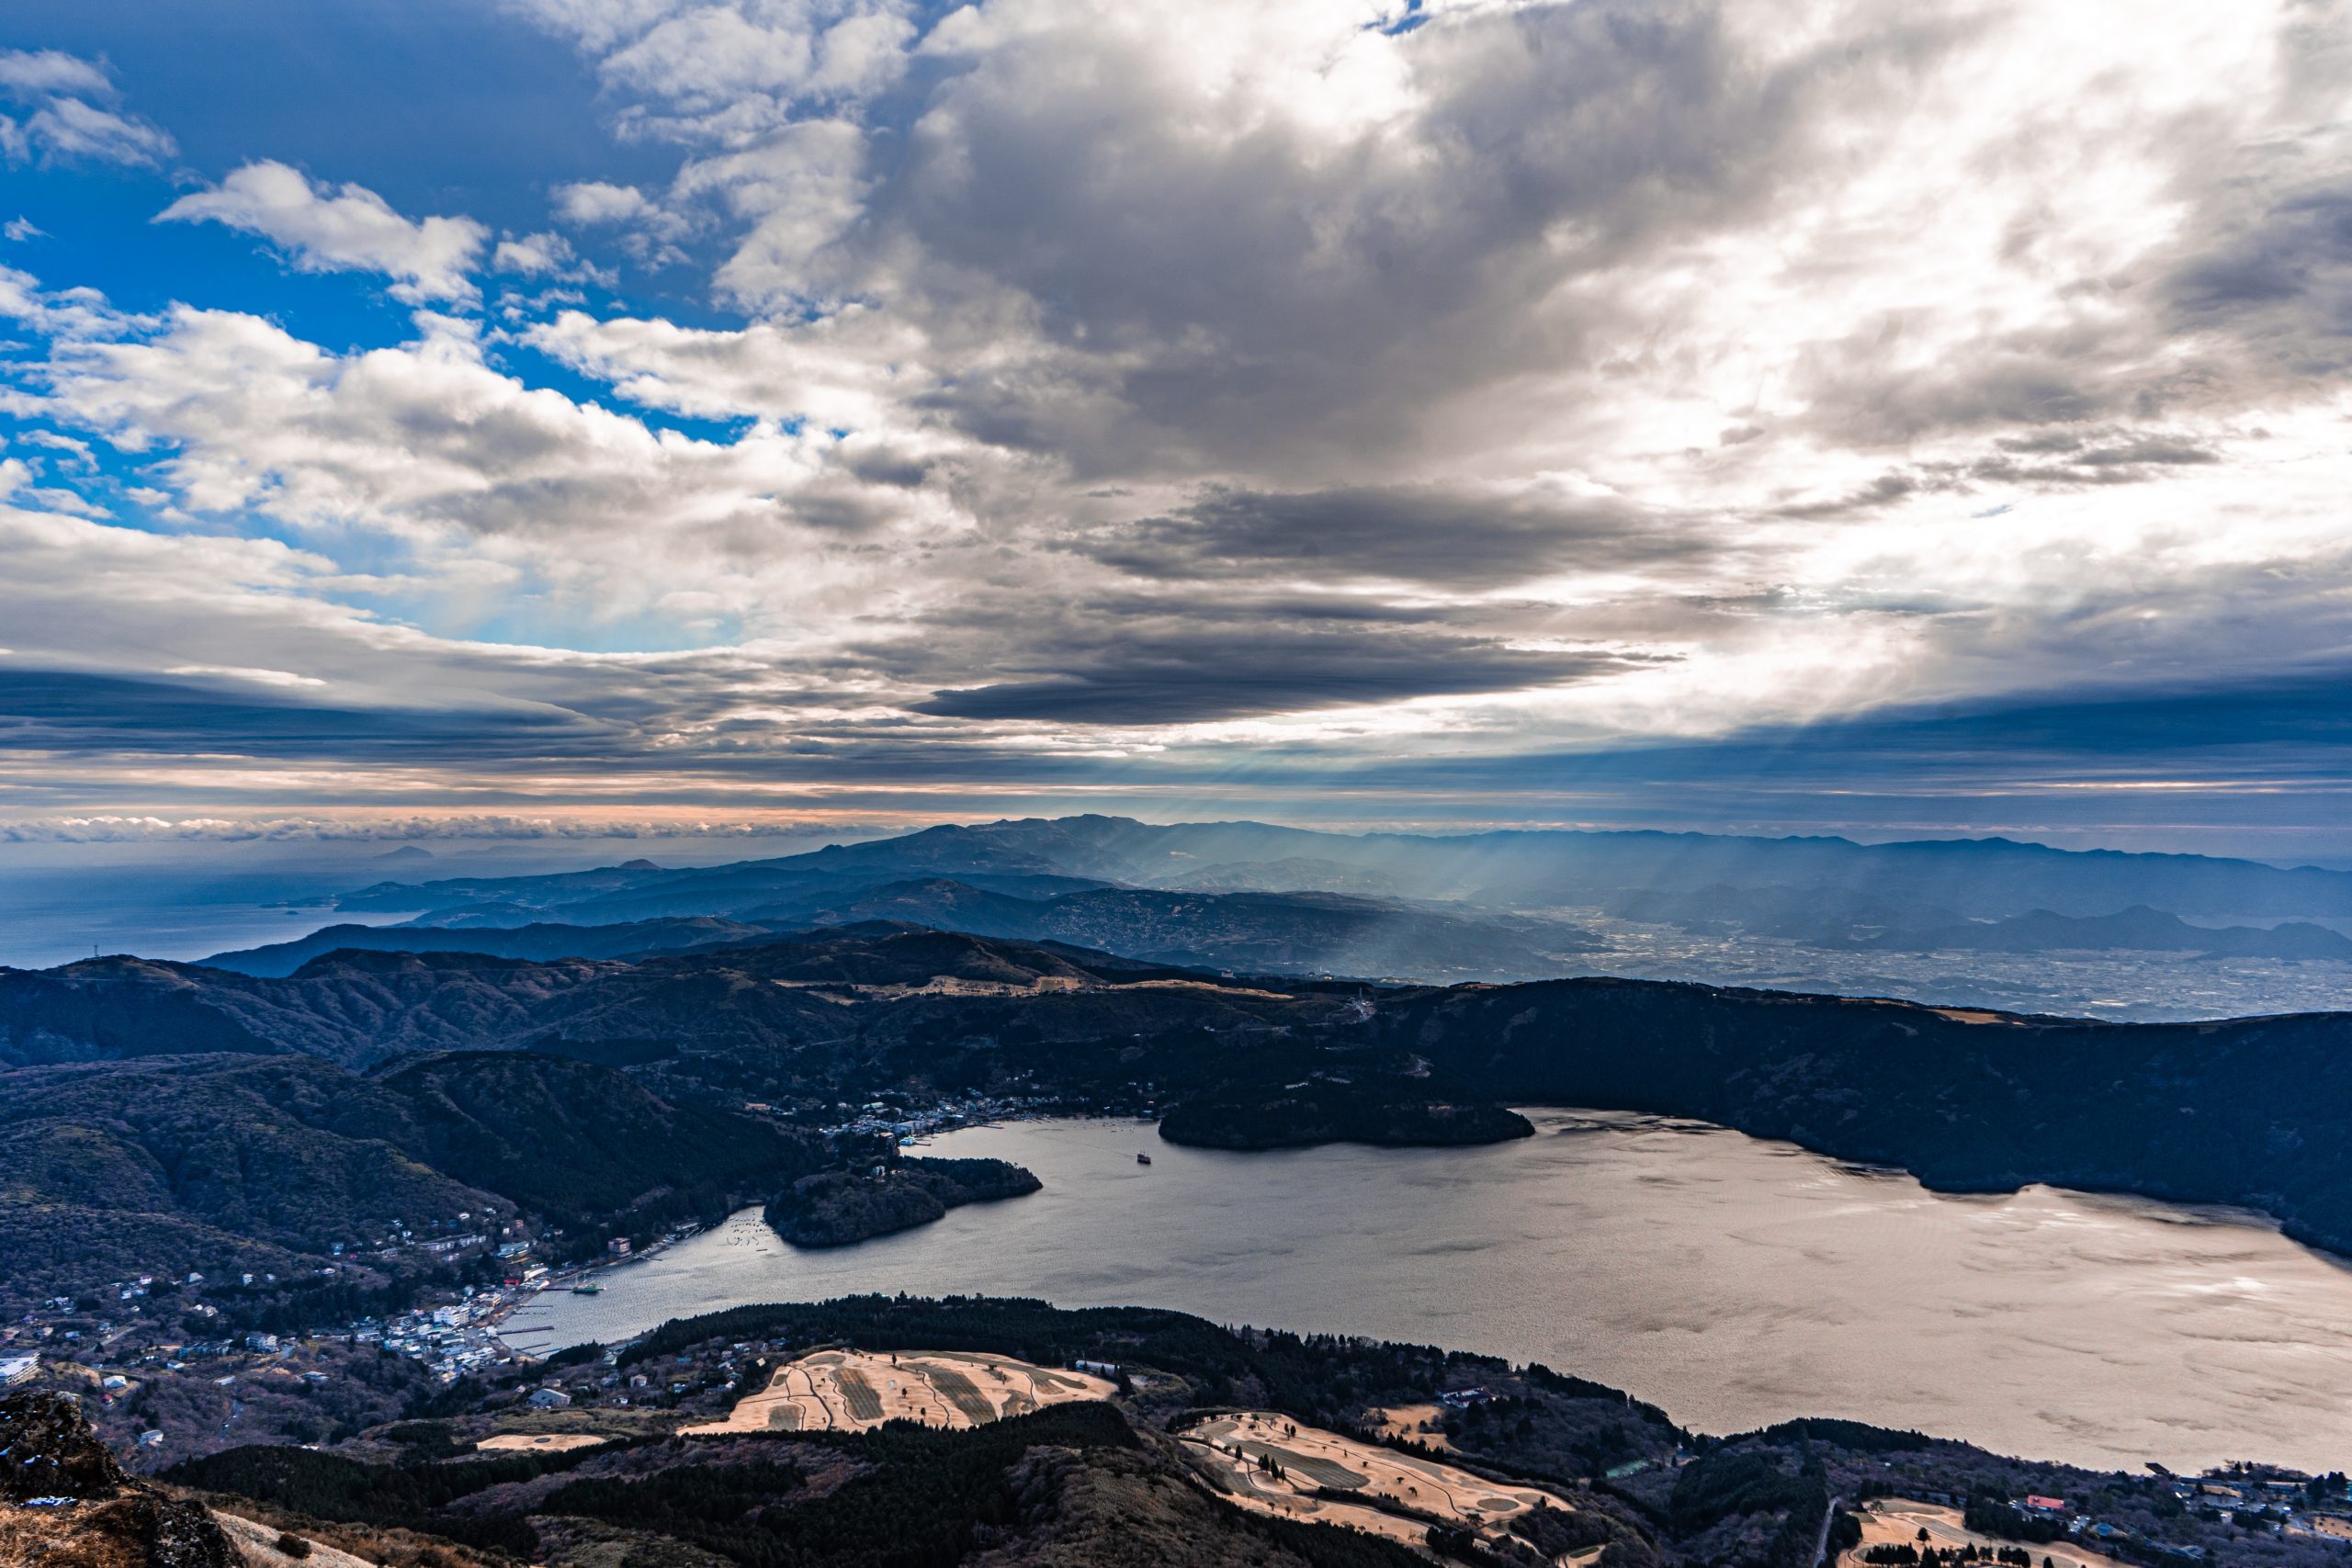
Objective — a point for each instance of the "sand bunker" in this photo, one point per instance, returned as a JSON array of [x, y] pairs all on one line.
[[1414, 1422], [851, 1391], [545, 1442], [1888, 1521], [1230, 1447]]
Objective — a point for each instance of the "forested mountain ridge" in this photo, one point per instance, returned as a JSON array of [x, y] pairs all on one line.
[[1249, 930], [292, 1166], [2241, 1112]]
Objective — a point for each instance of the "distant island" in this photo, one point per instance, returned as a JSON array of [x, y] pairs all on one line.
[[835, 1208]]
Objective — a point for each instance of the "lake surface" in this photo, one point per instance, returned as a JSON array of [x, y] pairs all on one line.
[[1732, 1280]]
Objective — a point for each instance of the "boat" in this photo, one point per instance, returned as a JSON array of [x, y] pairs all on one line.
[[1143, 1159], [587, 1290]]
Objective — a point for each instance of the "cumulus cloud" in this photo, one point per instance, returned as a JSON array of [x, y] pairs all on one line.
[[342, 228], [651, 232], [73, 113], [726, 73]]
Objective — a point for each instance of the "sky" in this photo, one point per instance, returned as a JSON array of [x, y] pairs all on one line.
[[716, 419]]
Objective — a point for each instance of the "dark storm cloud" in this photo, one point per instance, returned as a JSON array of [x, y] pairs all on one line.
[[2298, 249], [1191, 677], [67, 711], [1452, 538], [1252, 295]]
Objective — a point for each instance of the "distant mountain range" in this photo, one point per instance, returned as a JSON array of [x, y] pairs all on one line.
[[1252, 933], [1038, 859], [1245, 897]]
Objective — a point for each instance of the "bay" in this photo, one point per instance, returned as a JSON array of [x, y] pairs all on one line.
[[1734, 1281]]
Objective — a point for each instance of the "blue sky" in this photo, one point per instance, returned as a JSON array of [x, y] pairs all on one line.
[[782, 413]]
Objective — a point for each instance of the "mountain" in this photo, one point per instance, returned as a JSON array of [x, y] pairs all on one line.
[[2244, 1111], [541, 939], [2239, 1111], [65, 1501], [233, 1162], [1976, 878], [1272, 934], [216, 1164], [1246, 932]]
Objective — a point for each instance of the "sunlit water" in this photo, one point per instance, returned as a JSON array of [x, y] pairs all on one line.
[[1734, 1281]]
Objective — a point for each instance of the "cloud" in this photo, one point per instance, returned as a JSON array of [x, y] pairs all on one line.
[[595, 201], [74, 114], [534, 256], [1457, 536], [484, 827], [805, 188], [1060, 390], [49, 73], [652, 233], [1208, 672], [728, 72], [327, 229]]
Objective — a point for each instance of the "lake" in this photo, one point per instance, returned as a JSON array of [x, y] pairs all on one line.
[[1733, 1280]]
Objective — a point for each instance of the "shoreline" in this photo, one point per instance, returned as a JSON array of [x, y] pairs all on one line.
[[1719, 1358]]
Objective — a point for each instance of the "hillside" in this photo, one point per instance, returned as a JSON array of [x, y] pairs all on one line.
[[229, 1165], [1254, 930], [2238, 1112], [540, 941], [2234, 1113], [1503, 1465], [835, 1208]]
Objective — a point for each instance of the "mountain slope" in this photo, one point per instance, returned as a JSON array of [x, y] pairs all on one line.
[[2136, 930], [1977, 877], [539, 941], [2245, 1112], [233, 1163]]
